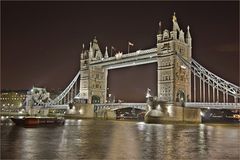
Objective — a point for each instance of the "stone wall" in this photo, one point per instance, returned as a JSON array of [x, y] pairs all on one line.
[[192, 115], [177, 114], [106, 114], [87, 111], [81, 111]]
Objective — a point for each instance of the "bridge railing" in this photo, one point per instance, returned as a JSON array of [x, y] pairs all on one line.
[[115, 106], [213, 105]]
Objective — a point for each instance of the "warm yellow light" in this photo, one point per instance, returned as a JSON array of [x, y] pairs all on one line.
[[183, 67]]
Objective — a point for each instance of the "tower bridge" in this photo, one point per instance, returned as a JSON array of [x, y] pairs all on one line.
[[176, 72]]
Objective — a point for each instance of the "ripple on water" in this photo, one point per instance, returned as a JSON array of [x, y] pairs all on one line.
[[90, 139]]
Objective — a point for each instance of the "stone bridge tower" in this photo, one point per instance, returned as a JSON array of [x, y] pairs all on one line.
[[174, 79], [92, 78]]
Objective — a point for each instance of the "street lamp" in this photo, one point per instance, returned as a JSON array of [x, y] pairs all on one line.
[[109, 96]]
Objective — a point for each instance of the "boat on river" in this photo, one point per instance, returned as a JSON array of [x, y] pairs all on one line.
[[35, 121], [221, 116]]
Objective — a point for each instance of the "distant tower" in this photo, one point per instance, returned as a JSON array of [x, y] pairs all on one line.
[[92, 78], [174, 79]]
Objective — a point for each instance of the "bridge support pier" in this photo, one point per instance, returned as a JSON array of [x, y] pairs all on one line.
[[177, 114], [105, 114], [86, 111], [82, 111]]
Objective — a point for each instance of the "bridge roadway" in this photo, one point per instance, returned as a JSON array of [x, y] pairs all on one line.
[[212, 105], [115, 106], [143, 106], [131, 59], [63, 106]]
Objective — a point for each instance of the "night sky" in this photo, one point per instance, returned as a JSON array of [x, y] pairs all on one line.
[[42, 41]]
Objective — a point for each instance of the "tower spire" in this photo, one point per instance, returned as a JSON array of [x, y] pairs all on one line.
[[188, 32], [174, 17], [175, 23], [83, 48], [82, 54], [90, 51], [97, 54], [189, 38], [160, 27], [106, 53]]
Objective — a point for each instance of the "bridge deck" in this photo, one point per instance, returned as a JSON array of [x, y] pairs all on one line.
[[213, 105], [131, 59], [115, 106]]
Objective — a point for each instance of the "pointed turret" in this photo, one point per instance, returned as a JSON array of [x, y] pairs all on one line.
[[159, 35], [96, 50], [189, 38], [82, 54], [90, 51], [188, 32], [160, 28], [175, 23], [181, 36], [106, 53]]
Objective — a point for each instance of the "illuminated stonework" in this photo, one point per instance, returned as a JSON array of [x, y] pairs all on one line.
[[92, 78], [174, 79]]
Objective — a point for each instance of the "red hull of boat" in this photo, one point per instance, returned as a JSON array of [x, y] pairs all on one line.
[[32, 121]]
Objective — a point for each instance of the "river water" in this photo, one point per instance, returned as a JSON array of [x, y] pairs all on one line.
[[121, 140]]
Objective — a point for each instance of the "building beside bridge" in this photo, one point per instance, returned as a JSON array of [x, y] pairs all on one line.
[[12, 99]]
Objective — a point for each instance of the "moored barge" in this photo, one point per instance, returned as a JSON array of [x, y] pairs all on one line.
[[34, 121]]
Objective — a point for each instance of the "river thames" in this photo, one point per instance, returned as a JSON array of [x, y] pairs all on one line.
[[121, 140]]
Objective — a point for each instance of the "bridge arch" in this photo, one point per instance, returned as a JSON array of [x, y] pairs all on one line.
[[181, 97], [95, 99]]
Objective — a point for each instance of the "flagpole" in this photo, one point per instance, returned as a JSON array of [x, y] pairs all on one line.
[[128, 47]]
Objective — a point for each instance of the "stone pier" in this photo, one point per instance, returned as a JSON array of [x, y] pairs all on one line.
[[86, 111], [176, 114]]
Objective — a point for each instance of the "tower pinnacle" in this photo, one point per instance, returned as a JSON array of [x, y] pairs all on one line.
[[175, 23], [189, 38], [160, 27], [174, 17], [188, 32], [90, 51], [106, 53]]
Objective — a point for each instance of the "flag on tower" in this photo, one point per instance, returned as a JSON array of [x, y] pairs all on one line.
[[130, 44]]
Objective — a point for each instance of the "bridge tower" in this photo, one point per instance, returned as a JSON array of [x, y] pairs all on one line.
[[92, 78], [174, 79]]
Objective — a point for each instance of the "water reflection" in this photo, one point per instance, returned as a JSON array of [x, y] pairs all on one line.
[[90, 139], [124, 143]]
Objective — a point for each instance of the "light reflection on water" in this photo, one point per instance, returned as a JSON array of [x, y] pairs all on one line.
[[91, 139]]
